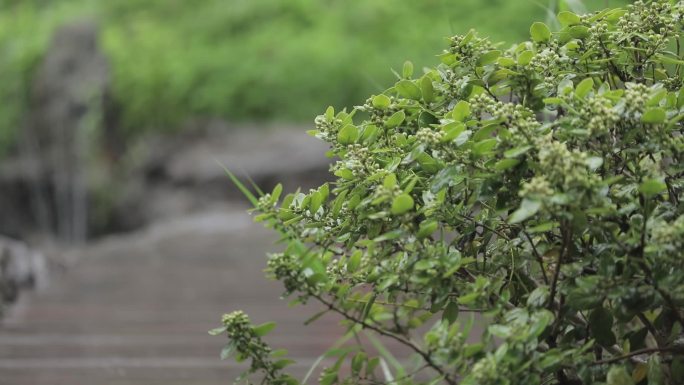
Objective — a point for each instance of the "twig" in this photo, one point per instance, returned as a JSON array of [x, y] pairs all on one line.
[[676, 350], [426, 356]]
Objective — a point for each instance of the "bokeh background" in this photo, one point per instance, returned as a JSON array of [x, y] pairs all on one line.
[[114, 117]]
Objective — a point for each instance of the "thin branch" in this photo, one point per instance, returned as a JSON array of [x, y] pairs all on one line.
[[426, 356], [672, 349], [540, 260]]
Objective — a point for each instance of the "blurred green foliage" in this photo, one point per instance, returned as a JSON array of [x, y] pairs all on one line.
[[246, 59]]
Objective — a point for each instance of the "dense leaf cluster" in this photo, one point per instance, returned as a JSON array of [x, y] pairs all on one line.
[[536, 190]]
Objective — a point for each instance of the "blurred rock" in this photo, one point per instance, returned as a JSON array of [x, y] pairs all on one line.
[[177, 175], [20, 268], [66, 104]]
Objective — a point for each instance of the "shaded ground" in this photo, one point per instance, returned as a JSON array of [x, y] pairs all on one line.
[[137, 309]]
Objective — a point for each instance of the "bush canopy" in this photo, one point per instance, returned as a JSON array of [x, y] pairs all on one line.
[[534, 191]]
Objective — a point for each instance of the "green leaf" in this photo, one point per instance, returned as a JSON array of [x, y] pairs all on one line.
[[396, 119], [426, 228], [408, 89], [245, 191], [427, 89], [354, 261], [402, 204], [618, 375], [357, 362], [579, 31], [450, 313], [505, 164], [484, 146], [655, 371], [654, 116], [488, 57], [525, 57], [390, 181], [601, 325], [540, 32], [567, 18], [652, 187], [517, 151], [461, 111], [584, 87], [367, 308], [407, 70], [264, 328], [348, 134], [227, 351], [330, 114], [381, 102], [218, 331], [528, 208]]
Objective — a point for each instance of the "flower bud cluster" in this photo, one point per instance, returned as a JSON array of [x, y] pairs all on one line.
[[548, 63], [538, 187], [327, 130], [246, 342], [599, 114], [287, 269], [454, 85], [635, 98], [468, 48], [670, 235], [429, 136], [648, 18], [358, 160], [378, 116], [564, 168]]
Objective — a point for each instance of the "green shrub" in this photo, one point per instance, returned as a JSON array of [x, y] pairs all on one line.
[[538, 187]]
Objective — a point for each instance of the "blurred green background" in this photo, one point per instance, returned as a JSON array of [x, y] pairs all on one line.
[[248, 60]]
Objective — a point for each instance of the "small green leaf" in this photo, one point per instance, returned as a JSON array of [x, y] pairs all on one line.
[[566, 18], [427, 227], [528, 208], [396, 119], [218, 331], [584, 87], [540, 32], [357, 362], [484, 146], [618, 375], [427, 89], [348, 134], [407, 70], [227, 351], [655, 371], [517, 151], [601, 324], [654, 116], [525, 57], [652, 187], [381, 102], [354, 261], [505, 164], [264, 328], [450, 313], [461, 111], [579, 31], [402, 204], [488, 57], [408, 89], [390, 181]]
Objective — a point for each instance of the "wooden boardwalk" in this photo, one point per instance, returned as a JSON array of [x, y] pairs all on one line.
[[135, 309]]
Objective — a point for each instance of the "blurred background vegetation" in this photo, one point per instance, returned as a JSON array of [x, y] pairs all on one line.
[[248, 60]]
